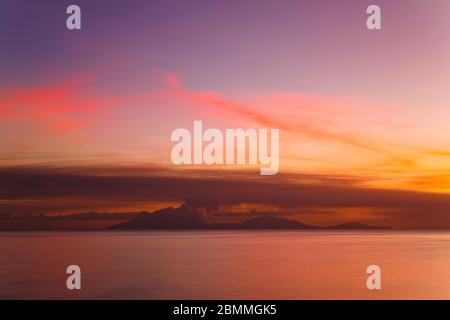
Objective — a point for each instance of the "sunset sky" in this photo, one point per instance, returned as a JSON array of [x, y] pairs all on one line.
[[86, 116]]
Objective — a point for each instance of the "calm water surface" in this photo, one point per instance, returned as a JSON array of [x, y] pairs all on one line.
[[225, 265]]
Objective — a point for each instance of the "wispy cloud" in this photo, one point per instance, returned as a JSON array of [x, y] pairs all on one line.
[[320, 134], [52, 108]]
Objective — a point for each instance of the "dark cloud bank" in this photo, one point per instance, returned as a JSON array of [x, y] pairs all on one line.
[[320, 194]]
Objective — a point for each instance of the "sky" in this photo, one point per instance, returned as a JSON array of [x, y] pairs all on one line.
[[360, 112]]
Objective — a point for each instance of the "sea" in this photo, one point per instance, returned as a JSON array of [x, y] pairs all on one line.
[[225, 264]]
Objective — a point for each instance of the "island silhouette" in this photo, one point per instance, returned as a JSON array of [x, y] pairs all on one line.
[[186, 218]]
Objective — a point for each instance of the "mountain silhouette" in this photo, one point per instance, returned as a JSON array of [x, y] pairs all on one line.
[[274, 223], [354, 226], [184, 217], [187, 218]]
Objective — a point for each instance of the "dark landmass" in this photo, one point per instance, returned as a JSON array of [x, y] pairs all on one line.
[[186, 218], [182, 218], [354, 226], [79, 221], [92, 215], [252, 224], [167, 223]]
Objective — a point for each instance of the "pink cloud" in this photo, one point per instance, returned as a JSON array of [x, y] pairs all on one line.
[[52, 108]]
